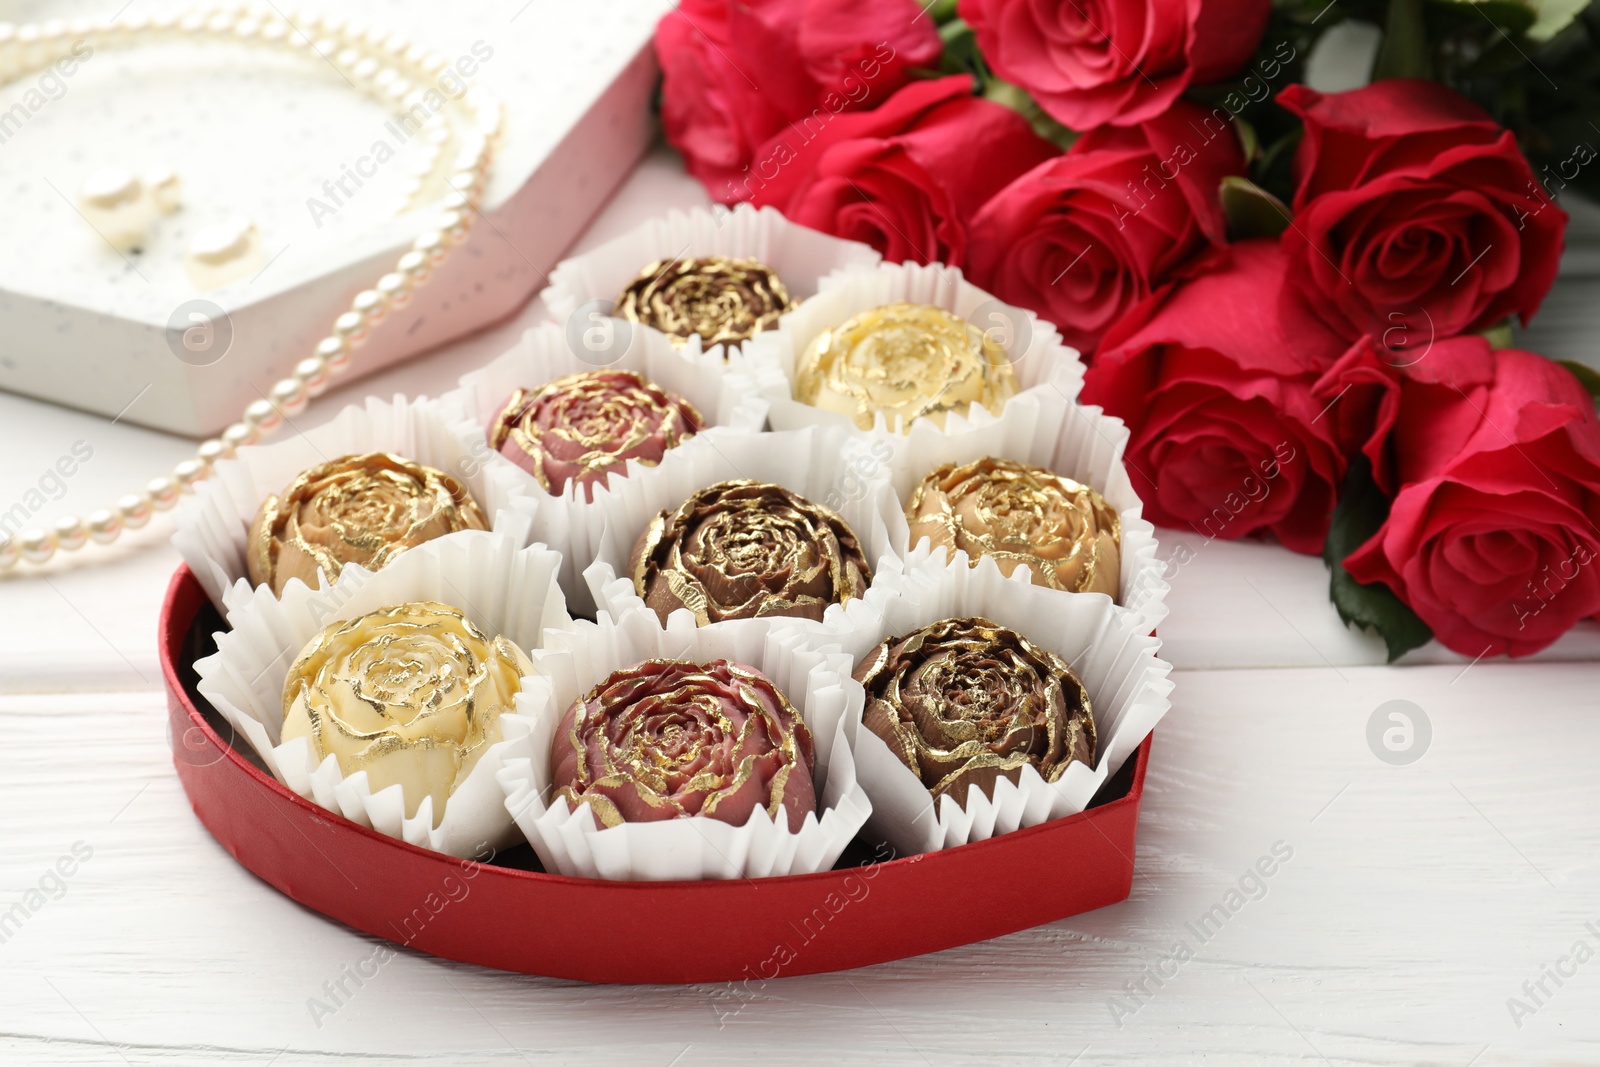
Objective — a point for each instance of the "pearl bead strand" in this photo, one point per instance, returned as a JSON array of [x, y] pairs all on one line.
[[392, 71]]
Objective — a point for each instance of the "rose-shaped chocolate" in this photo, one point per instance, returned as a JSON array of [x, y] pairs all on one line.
[[666, 739], [724, 300], [1083, 237], [1415, 216], [1018, 514], [907, 361], [747, 550], [363, 509], [411, 694], [965, 702], [584, 426], [1120, 62]]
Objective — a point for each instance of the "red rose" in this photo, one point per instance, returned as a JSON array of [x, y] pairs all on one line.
[[1120, 62], [736, 72], [1493, 537], [1227, 438], [1415, 216], [1361, 392], [1085, 236], [906, 178]]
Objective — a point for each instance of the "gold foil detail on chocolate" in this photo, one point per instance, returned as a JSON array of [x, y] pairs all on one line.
[[1019, 514], [904, 361], [588, 423], [412, 694], [965, 702], [363, 509], [662, 733], [744, 550], [724, 300]]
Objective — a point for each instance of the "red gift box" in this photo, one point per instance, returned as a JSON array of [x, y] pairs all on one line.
[[745, 931]]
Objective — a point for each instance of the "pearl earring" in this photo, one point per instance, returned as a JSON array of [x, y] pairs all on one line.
[[222, 253], [122, 206]]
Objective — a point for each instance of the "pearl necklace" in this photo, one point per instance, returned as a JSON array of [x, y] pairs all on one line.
[[393, 71]]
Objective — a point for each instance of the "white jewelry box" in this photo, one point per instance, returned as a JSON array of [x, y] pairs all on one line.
[[283, 140]]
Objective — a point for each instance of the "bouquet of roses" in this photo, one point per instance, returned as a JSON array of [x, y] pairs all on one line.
[[1299, 301]]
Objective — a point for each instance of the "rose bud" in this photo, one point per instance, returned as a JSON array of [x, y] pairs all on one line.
[[411, 694], [964, 702], [907, 361], [725, 301], [1021, 515], [666, 739], [582, 427], [363, 509], [747, 550]]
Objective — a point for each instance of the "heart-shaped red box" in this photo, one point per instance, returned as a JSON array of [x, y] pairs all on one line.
[[870, 908]]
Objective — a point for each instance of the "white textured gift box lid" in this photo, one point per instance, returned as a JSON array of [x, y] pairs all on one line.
[[257, 132]]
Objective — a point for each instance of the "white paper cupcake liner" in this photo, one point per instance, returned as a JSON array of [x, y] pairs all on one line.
[[571, 842], [1041, 361], [799, 256], [1078, 441], [502, 588], [1114, 658], [729, 396], [213, 524], [813, 463]]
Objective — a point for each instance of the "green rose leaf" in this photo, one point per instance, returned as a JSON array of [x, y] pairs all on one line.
[[1361, 510], [1251, 210], [1587, 376]]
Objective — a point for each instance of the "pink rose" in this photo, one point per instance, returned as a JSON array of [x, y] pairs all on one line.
[[1119, 62], [1081, 238], [666, 739]]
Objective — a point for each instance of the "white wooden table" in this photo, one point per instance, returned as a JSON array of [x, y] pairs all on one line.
[[1416, 900]]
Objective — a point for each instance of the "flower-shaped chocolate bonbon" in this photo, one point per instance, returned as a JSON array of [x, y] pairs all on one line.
[[965, 702], [666, 739], [362, 509], [724, 300], [904, 361], [579, 428], [747, 550], [412, 694], [1019, 514]]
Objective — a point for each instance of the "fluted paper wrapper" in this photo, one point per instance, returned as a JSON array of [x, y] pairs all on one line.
[[213, 524], [1078, 441], [800, 257], [504, 589], [812, 463], [728, 397], [1042, 362], [1116, 660], [570, 841]]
